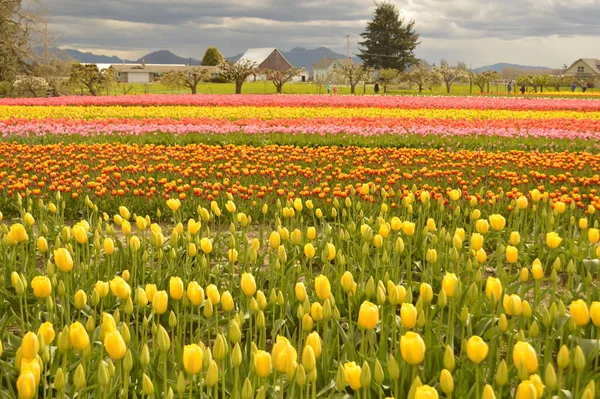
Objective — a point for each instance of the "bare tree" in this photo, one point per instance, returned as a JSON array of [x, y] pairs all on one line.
[[448, 74], [352, 74], [189, 78], [18, 31], [237, 72], [280, 78], [388, 76], [484, 78], [422, 77], [89, 77]]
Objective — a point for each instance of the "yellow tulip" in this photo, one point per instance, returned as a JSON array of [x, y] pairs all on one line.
[[193, 226], [42, 245], [316, 311], [227, 301], [192, 358], [46, 330], [300, 291], [408, 228], [30, 346], [560, 207], [232, 255], [150, 291], [176, 288], [206, 245], [195, 293], [348, 283], [124, 212], [449, 284], [426, 292], [230, 206], [17, 234], [120, 288], [173, 204], [537, 270], [515, 238], [160, 302], [352, 374], [212, 292], [488, 392], [579, 312], [262, 363], [26, 385], [481, 256], [408, 315], [274, 240], [108, 325], [314, 340], [412, 348], [595, 313], [322, 287], [28, 219], [593, 235], [33, 366], [526, 390], [446, 382], [109, 246], [80, 299], [430, 225], [248, 284], [368, 315], [42, 287], [512, 304], [522, 202], [63, 259], [497, 222], [283, 355], [396, 224], [309, 250], [115, 345], [477, 349], [454, 195], [524, 356], [512, 254], [482, 226], [476, 241], [426, 392], [80, 234], [553, 240], [78, 336]]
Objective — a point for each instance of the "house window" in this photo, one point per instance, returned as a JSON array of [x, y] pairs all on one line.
[[580, 69]]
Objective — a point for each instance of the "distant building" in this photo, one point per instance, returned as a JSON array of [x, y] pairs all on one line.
[[323, 68], [148, 73], [584, 68], [270, 58], [267, 58]]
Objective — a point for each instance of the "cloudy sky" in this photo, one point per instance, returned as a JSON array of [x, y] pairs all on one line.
[[478, 32]]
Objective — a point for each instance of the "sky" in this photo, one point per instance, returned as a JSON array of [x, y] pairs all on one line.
[[479, 32]]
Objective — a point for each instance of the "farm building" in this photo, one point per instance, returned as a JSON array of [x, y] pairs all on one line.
[[323, 68], [148, 73], [271, 58], [584, 68]]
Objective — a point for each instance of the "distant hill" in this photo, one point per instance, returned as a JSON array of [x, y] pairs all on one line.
[[92, 58], [500, 67], [301, 57], [166, 57]]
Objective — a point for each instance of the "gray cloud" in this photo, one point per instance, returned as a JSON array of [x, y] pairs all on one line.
[[468, 29]]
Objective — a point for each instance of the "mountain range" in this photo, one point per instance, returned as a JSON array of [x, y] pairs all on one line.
[[300, 57]]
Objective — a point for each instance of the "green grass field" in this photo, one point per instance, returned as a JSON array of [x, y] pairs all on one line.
[[266, 87]]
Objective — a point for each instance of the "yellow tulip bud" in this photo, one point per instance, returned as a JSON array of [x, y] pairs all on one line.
[[477, 349]]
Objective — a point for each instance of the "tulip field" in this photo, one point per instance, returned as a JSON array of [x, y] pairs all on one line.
[[264, 246]]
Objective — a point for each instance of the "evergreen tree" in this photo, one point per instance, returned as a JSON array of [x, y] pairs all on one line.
[[389, 42], [212, 57]]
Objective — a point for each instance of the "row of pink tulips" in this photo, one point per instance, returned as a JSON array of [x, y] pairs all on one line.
[[410, 102]]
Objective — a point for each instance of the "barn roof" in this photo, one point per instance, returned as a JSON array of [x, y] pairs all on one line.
[[259, 55], [324, 63]]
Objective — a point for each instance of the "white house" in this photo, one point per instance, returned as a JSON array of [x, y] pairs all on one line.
[[584, 68], [324, 68], [148, 73]]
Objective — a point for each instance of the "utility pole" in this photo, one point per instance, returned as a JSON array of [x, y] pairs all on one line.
[[46, 49], [348, 46]]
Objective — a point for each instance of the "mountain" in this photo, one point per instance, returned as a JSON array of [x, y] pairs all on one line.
[[92, 58], [499, 67], [166, 57], [301, 57]]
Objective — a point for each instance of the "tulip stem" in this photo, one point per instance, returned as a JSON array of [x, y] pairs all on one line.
[[477, 381]]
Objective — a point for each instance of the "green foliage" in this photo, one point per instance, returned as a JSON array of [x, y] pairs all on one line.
[[389, 41], [484, 78], [89, 78], [212, 57]]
